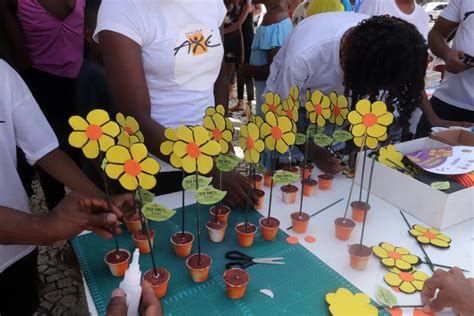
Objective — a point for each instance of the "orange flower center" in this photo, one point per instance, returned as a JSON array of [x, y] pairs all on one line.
[[369, 120], [277, 133], [128, 130], [94, 132], [250, 143], [193, 150], [429, 235], [272, 108], [289, 113], [217, 134], [132, 168], [336, 110], [407, 277], [318, 109], [394, 255]]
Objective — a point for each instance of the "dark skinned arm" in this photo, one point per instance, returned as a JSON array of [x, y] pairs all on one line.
[[258, 72], [221, 87]]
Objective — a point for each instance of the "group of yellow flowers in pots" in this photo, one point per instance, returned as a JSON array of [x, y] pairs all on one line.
[[119, 148]]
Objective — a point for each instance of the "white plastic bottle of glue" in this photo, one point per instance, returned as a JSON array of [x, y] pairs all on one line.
[[131, 285]]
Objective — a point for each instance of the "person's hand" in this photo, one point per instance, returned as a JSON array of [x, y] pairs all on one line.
[[76, 213], [150, 305], [243, 72], [122, 201], [325, 161], [237, 187], [454, 63], [454, 290]]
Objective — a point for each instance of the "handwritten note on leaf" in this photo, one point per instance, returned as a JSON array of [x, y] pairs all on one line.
[[300, 139], [342, 136], [227, 162], [157, 212], [209, 196], [441, 185], [189, 183], [322, 140], [385, 297], [145, 196], [285, 177], [311, 130]]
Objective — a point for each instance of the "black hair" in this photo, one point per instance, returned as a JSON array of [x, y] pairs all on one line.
[[386, 54]]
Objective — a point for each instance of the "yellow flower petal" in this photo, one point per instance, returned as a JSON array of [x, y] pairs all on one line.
[[289, 138], [415, 232], [114, 171], [120, 118], [439, 243], [248, 156], [392, 279], [281, 147], [91, 149], [98, 117], [255, 156], [387, 246], [421, 276], [386, 119], [205, 164], [402, 251], [128, 182], [220, 109], [78, 139], [403, 265], [389, 262], [380, 252], [423, 239], [379, 108], [361, 298], [270, 143], [105, 142], [376, 131], [139, 152], [124, 139], [412, 259], [227, 136], [111, 128], [358, 130], [224, 147], [244, 130], [259, 145], [211, 148], [418, 285], [166, 148], [354, 118], [208, 123], [180, 149], [265, 130], [271, 119], [420, 228], [146, 181], [150, 166], [284, 123], [185, 133], [175, 161], [171, 134], [201, 135], [189, 164], [407, 287], [363, 107], [78, 123], [320, 121], [443, 237], [118, 154], [371, 142]]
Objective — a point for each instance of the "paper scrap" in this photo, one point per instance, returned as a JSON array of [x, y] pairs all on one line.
[[209, 196], [157, 213], [441, 185], [267, 292]]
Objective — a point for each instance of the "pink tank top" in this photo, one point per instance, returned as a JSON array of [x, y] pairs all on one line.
[[54, 46]]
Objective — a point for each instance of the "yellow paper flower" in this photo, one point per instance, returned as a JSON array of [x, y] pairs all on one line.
[[272, 103], [370, 118], [132, 166], [397, 257], [339, 109], [166, 147], [217, 109], [251, 143], [129, 131], [407, 282], [430, 236], [295, 95], [391, 157], [344, 303], [318, 108], [195, 149], [290, 110], [94, 134], [220, 130], [248, 112], [277, 132]]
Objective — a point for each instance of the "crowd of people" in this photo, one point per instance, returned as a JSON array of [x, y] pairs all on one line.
[[164, 62]]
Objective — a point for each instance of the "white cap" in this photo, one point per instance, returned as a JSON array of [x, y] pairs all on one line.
[[133, 274]]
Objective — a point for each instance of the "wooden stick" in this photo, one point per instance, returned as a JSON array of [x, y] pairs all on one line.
[[322, 210]]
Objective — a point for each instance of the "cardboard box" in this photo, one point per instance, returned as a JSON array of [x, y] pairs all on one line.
[[454, 137], [432, 206]]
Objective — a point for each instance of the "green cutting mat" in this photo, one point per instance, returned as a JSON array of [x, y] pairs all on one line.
[[299, 286]]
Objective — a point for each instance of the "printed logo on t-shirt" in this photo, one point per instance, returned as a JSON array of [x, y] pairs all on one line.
[[198, 54]]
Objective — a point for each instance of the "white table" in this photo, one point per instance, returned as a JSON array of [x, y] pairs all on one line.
[[384, 224]]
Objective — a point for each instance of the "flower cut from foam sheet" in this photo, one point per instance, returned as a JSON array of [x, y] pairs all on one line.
[[395, 257], [344, 303], [215, 109], [272, 103], [430, 236], [277, 131], [408, 282], [132, 167], [251, 143], [195, 149], [129, 131], [371, 119], [220, 130], [295, 95], [94, 134], [339, 109], [391, 157], [318, 108], [290, 109], [166, 147], [370, 142]]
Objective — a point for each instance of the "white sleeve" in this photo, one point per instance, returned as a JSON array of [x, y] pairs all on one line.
[[370, 7], [453, 11], [124, 17], [288, 74], [221, 12]]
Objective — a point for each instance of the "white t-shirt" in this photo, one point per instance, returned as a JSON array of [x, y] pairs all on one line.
[[309, 58], [26, 127], [418, 17], [458, 89]]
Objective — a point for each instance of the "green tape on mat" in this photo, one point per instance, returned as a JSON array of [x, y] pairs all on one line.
[[299, 286]]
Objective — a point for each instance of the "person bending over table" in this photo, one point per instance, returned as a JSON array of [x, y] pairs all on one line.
[[164, 65], [351, 54]]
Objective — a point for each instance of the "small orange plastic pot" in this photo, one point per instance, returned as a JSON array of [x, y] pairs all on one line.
[[222, 215], [300, 222], [199, 269], [309, 187], [158, 283], [256, 181], [359, 256], [325, 181], [141, 241], [289, 193], [132, 220], [182, 243], [306, 171], [344, 228], [267, 178], [236, 281], [269, 227], [216, 231], [359, 209], [117, 261], [261, 199], [245, 234]]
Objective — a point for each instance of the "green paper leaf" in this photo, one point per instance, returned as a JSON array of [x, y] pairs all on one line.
[[320, 130], [322, 140], [260, 168], [156, 212], [145, 196], [227, 162], [104, 164], [385, 297], [342, 136], [441, 185], [311, 130], [189, 183], [210, 196], [285, 177], [300, 139]]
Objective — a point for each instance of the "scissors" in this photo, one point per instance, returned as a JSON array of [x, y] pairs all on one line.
[[244, 261]]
